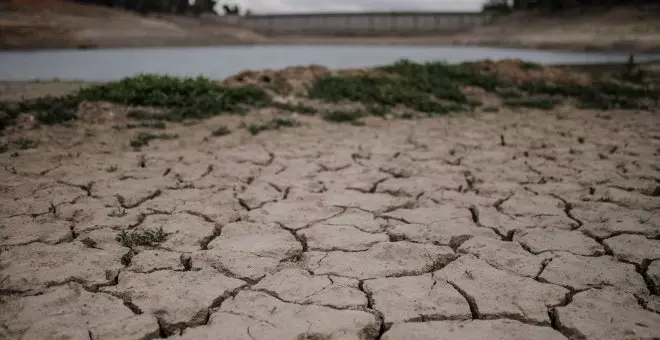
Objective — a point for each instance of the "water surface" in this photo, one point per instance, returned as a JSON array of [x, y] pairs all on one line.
[[221, 62]]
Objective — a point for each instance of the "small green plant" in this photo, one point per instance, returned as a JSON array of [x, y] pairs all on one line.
[[112, 168], [221, 131], [90, 134], [142, 238], [143, 138], [4, 147], [536, 103], [25, 143], [274, 124], [342, 116], [528, 65]]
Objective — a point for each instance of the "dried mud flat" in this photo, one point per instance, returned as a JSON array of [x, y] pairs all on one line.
[[509, 225]]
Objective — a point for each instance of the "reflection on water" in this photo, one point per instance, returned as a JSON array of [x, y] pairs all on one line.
[[221, 62]]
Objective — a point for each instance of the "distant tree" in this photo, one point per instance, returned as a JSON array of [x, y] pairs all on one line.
[[497, 6], [231, 10]]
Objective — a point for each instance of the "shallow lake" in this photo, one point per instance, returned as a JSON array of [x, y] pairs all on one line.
[[221, 62]]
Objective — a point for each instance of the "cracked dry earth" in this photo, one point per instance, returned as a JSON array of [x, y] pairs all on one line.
[[492, 226]]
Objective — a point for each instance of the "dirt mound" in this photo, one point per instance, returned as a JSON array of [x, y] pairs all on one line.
[[518, 71], [291, 80]]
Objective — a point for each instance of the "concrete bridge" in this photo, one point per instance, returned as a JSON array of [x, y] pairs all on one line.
[[362, 23]]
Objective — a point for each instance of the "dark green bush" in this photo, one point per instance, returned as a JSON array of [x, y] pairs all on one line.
[[536, 103]]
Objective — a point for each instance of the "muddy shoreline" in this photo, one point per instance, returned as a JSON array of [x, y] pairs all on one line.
[[449, 40]]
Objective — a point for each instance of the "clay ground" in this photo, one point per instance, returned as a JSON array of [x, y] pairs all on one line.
[[509, 225]]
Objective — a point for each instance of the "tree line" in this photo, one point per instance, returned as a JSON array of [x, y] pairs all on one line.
[[558, 5], [179, 7]]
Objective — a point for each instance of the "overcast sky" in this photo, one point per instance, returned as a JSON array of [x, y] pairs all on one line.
[[289, 6]]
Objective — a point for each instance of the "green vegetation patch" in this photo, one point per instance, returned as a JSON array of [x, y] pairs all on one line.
[[143, 138], [142, 238], [437, 88], [25, 143], [536, 103], [273, 124], [343, 116], [180, 99]]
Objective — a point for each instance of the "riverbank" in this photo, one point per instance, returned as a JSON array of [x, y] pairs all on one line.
[[69, 25]]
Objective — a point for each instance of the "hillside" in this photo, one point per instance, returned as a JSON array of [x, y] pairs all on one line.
[[618, 29], [62, 24]]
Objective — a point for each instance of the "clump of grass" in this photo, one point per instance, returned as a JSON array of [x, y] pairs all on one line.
[[142, 238], [536, 103], [342, 116], [221, 131], [25, 143], [298, 108], [147, 125], [4, 147], [528, 65], [491, 109], [274, 124], [112, 168], [143, 138]]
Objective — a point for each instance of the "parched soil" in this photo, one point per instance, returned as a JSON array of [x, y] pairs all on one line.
[[519, 225]]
